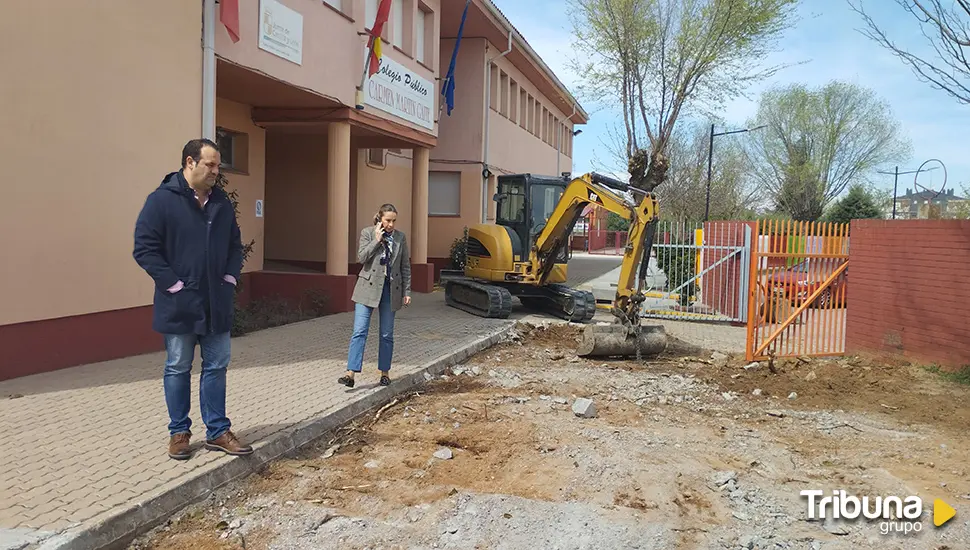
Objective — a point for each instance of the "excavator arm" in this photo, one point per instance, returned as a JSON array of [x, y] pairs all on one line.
[[607, 193]]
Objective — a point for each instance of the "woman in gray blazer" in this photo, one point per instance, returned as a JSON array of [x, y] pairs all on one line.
[[384, 283]]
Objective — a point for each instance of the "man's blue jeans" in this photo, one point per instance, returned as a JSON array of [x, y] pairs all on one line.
[[180, 349], [362, 315]]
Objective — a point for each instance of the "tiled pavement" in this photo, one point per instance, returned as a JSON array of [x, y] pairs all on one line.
[[87, 446]]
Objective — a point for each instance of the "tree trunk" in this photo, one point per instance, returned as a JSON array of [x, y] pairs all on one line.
[[616, 340]]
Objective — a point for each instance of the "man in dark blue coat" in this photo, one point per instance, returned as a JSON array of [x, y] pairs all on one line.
[[187, 239]]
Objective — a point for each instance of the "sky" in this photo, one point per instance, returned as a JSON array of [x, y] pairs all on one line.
[[827, 39]]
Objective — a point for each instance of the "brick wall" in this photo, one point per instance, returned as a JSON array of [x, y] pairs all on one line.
[[909, 290]]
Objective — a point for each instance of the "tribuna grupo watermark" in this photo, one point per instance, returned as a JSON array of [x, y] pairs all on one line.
[[896, 515]]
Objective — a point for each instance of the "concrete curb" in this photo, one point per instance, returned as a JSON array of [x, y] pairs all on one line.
[[122, 526]]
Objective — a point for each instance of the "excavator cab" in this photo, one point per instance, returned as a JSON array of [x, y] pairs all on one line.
[[524, 203]]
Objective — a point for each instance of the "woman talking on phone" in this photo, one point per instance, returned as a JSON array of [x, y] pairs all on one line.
[[384, 283]]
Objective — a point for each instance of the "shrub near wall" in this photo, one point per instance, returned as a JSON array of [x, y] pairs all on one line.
[[909, 290]]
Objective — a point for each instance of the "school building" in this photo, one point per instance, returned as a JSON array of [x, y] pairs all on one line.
[[99, 98]]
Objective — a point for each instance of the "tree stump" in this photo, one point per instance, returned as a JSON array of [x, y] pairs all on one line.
[[617, 341]]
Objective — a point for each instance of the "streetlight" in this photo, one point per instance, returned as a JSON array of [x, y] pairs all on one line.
[[710, 161], [897, 173]]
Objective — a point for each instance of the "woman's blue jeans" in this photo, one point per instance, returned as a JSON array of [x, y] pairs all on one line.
[[362, 315]]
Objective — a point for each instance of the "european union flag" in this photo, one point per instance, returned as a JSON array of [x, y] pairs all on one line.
[[448, 88]]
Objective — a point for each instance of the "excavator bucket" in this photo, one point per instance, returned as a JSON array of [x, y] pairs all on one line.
[[616, 340]]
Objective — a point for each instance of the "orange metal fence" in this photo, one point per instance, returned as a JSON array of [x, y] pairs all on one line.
[[797, 293]]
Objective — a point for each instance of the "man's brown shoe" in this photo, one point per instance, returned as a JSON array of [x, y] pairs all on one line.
[[178, 446], [229, 444]]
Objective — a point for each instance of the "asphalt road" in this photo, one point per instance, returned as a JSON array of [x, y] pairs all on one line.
[[584, 267]]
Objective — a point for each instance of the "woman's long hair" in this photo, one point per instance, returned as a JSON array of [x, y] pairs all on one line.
[[384, 209]]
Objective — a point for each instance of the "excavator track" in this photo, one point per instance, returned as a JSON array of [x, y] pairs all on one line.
[[484, 300], [576, 306], [590, 304]]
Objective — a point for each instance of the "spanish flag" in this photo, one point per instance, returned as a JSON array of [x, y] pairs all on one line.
[[229, 16], [374, 59]]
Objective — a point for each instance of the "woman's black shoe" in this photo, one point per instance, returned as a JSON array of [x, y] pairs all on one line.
[[385, 381], [346, 381]]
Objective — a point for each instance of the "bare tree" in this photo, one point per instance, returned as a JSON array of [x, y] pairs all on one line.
[[657, 59], [946, 30], [818, 141], [733, 190]]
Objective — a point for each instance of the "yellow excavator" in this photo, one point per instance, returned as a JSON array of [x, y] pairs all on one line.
[[525, 254]]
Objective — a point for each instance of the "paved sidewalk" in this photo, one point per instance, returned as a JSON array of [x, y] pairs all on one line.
[[85, 448]]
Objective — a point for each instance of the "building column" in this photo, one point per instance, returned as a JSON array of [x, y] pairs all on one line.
[[422, 273], [419, 204], [338, 197]]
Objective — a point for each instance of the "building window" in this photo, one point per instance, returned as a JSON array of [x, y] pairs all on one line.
[[504, 94], [444, 193], [424, 42], [234, 150], [540, 121], [551, 129], [514, 101], [335, 4], [370, 13], [537, 123], [524, 110], [375, 158], [531, 125], [397, 20], [494, 87]]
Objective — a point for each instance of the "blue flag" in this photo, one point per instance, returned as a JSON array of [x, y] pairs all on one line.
[[448, 88]]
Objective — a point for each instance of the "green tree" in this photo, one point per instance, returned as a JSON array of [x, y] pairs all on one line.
[[801, 193], [817, 140], [857, 204], [946, 30], [961, 211], [616, 223], [222, 182], [658, 59]]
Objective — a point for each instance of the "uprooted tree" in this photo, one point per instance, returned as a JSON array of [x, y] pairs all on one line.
[[815, 142], [658, 59], [945, 25]]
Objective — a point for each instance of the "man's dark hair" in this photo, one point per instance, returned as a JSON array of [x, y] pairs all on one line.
[[194, 149]]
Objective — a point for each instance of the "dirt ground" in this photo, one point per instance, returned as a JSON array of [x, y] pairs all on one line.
[[696, 451]]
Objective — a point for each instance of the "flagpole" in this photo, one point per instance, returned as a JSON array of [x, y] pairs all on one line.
[[454, 61], [380, 19], [359, 103], [441, 102]]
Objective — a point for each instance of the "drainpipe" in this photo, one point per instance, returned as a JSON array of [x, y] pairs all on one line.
[[209, 69], [488, 115], [559, 141]]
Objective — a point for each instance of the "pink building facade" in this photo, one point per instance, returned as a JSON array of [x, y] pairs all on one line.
[[97, 118]]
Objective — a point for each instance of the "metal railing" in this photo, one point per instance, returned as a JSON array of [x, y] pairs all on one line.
[[699, 271]]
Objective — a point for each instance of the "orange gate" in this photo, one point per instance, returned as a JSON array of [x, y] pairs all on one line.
[[797, 294]]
